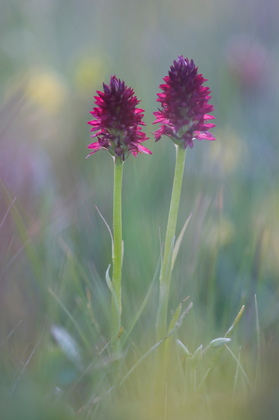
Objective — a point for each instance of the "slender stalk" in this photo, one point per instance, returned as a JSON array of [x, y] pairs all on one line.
[[116, 305], [165, 275]]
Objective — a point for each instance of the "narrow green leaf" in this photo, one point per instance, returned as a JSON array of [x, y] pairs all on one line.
[[176, 315], [219, 342], [236, 321], [111, 289], [179, 240], [197, 355], [107, 225], [184, 349], [108, 279]]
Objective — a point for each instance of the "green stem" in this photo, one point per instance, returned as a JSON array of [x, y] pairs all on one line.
[[116, 305], [165, 275]]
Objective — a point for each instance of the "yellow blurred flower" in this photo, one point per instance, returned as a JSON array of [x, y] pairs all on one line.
[[225, 154], [46, 89], [89, 72]]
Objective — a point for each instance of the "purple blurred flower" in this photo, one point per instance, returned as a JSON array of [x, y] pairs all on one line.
[[185, 106], [117, 121]]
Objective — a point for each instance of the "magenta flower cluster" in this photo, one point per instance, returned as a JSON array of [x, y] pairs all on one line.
[[118, 121], [184, 105], [183, 116]]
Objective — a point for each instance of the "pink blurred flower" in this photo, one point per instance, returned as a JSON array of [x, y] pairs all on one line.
[[185, 106], [117, 123], [248, 61]]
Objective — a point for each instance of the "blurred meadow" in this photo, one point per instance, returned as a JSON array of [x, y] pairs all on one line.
[[55, 247]]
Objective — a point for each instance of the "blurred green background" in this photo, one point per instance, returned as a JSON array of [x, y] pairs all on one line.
[[55, 248]]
